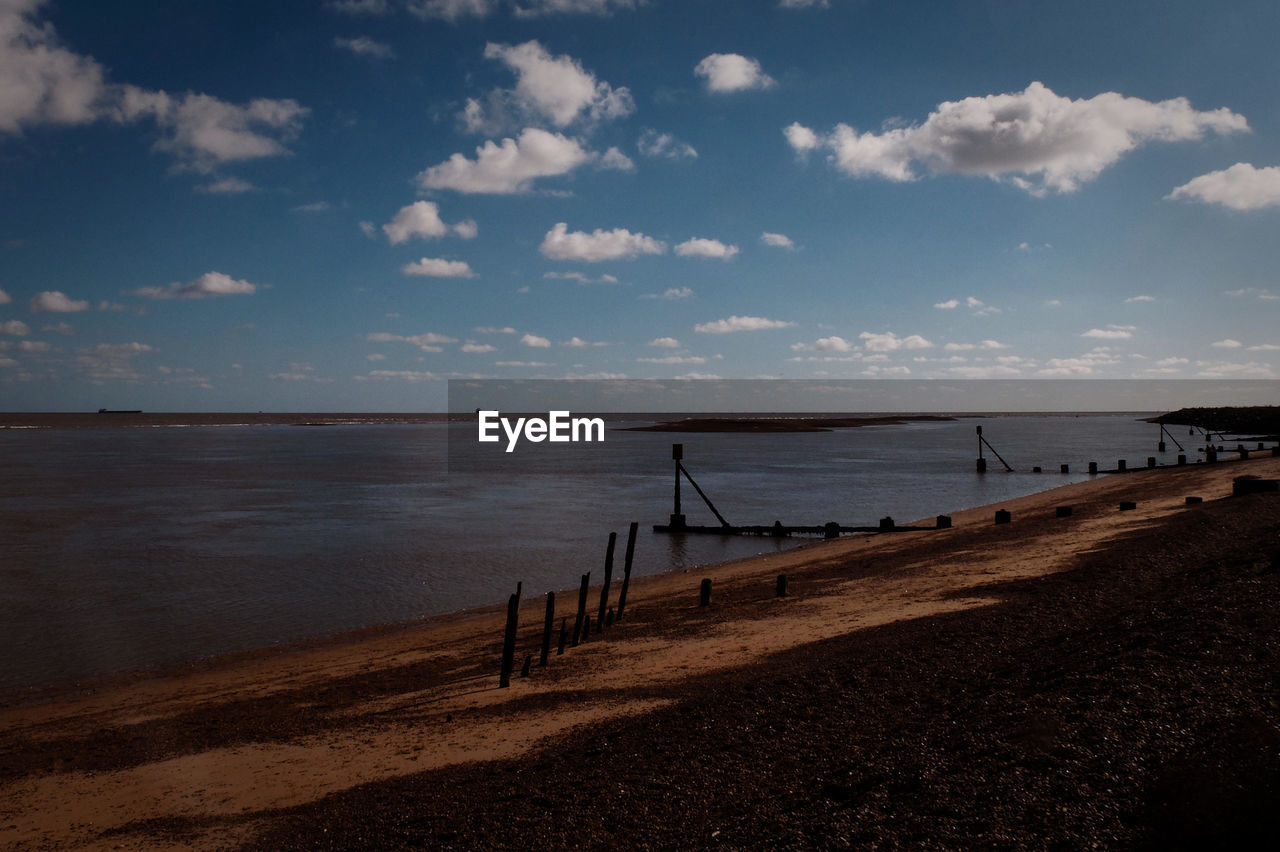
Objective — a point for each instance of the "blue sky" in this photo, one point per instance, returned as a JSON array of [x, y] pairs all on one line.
[[342, 205]]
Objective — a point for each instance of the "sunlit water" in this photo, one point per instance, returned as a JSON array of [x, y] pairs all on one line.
[[130, 547]]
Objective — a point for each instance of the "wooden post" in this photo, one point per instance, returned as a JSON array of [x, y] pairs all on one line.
[[564, 636], [509, 642], [943, 522], [1066, 468], [781, 587], [886, 524], [1121, 465], [704, 593], [582, 608], [677, 517], [1093, 467], [546, 628], [1003, 516], [608, 579], [626, 567]]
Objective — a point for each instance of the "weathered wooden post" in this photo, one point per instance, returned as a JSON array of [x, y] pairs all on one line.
[[1182, 458], [982, 463], [626, 567], [887, 524], [582, 608], [608, 580], [1121, 465], [547, 624], [509, 641], [1093, 468], [1066, 468], [781, 587], [1151, 461], [704, 593], [1003, 516], [830, 530], [564, 636], [677, 517], [943, 522]]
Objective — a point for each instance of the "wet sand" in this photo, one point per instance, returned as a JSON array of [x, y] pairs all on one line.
[[997, 684]]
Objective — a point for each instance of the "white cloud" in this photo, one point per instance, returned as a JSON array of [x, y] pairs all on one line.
[[948, 305], [671, 294], [43, 83], [1227, 344], [654, 144], [535, 342], [17, 328], [5, 298], [403, 375], [561, 244], [227, 186], [202, 131], [531, 8], [665, 343], [428, 342], [737, 323], [111, 361], [360, 7], [1035, 139], [700, 247], [959, 347], [732, 72], [207, 285], [802, 4], [450, 10], [509, 167], [1135, 299], [1265, 295], [369, 230], [422, 219], [477, 348], [890, 342], [435, 267], [832, 344], [674, 359], [1226, 370], [490, 329], [576, 342], [1111, 332], [777, 241], [1241, 187], [994, 344], [313, 207], [365, 46], [1172, 362], [523, 363], [616, 160], [1265, 347], [56, 302], [552, 89]]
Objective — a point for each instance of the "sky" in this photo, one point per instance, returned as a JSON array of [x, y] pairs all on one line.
[[340, 205]]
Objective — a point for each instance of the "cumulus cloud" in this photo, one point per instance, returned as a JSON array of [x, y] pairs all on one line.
[[17, 328], [671, 294], [1036, 139], [890, 342], [535, 341], [665, 343], [202, 131], [111, 361], [56, 302], [737, 323], [732, 72], [700, 247], [435, 267], [450, 10], [422, 219], [1227, 344], [474, 348], [833, 343], [949, 304], [1111, 332], [428, 342], [599, 245], [365, 46], [654, 144], [777, 241], [510, 166], [1241, 187], [44, 83], [208, 285], [555, 90]]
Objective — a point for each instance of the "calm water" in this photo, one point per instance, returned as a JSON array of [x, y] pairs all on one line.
[[129, 547]]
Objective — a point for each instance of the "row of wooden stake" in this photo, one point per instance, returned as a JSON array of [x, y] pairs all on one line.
[[582, 621]]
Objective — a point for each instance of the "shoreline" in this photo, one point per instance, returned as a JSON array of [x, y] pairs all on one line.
[[287, 727]]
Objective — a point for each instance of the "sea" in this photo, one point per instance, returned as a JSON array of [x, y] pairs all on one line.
[[136, 542]]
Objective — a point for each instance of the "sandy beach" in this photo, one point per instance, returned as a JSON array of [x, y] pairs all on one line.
[[1104, 678]]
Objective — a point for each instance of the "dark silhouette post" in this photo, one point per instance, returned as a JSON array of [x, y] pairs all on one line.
[[509, 642], [626, 567], [582, 608], [546, 628], [608, 580]]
